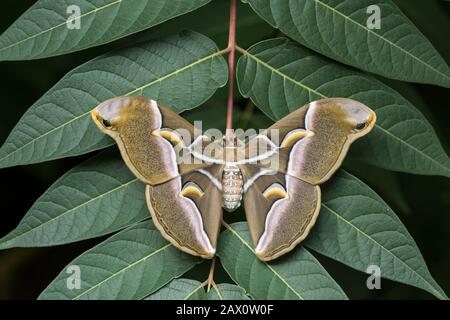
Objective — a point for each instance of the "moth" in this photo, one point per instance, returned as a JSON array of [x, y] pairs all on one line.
[[276, 174]]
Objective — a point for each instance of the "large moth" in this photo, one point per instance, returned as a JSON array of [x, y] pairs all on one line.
[[190, 178]]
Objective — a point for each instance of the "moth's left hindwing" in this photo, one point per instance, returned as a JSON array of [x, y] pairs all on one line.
[[151, 138], [280, 210], [281, 201], [311, 145]]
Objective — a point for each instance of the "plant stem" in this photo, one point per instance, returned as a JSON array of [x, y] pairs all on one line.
[[242, 51], [210, 281], [226, 225], [231, 49], [231, 55]]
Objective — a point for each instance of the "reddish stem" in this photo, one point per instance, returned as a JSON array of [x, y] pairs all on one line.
[[240, 50], [231, 54]]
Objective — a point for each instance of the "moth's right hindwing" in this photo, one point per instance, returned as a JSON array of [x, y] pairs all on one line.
[[188, 211], [281, 201], [185, 206]]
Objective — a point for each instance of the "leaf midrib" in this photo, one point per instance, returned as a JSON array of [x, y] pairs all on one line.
[[123, 185], [61, 24], [123, 270], [171, 74], [190, 294], [309, 89], [218, 291], [384, 248], [266, 264], [369, 31]]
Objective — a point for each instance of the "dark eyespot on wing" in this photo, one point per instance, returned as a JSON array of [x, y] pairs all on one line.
[[106, 123]]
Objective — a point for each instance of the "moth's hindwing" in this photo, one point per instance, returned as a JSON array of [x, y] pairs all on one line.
[[185, 206], [282, 202], [281, 211], [188, 211]]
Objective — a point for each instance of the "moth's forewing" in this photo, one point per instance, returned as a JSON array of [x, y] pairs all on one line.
[[281, 175], [312, 143], [151, 139], [331, 125], [135, 123]]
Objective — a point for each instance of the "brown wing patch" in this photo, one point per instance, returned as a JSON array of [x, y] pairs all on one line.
[[178, 218]]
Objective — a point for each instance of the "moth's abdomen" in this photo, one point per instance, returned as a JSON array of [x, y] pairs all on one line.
[[232, 187]]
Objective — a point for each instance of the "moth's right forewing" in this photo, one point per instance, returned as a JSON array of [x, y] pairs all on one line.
[[183, 192], [145, 133]]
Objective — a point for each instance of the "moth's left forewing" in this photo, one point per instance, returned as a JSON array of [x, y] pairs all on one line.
[[282, 169], [335, 125], [311, 145], [314, 140]]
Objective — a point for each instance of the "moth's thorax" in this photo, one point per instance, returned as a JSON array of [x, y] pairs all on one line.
[[232, 187]]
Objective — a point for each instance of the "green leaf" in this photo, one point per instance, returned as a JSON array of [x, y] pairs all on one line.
[[339, 30], [129, 265], [95, 198], [182, 71], [180, 289], [296, 276], [280, 76], [226, 291], [356, 227], [42, 31], [187, 289]]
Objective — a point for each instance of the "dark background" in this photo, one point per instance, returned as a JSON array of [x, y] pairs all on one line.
[[421, 202]]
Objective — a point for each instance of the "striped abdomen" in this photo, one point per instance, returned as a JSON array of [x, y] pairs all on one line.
[[232, 187]]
